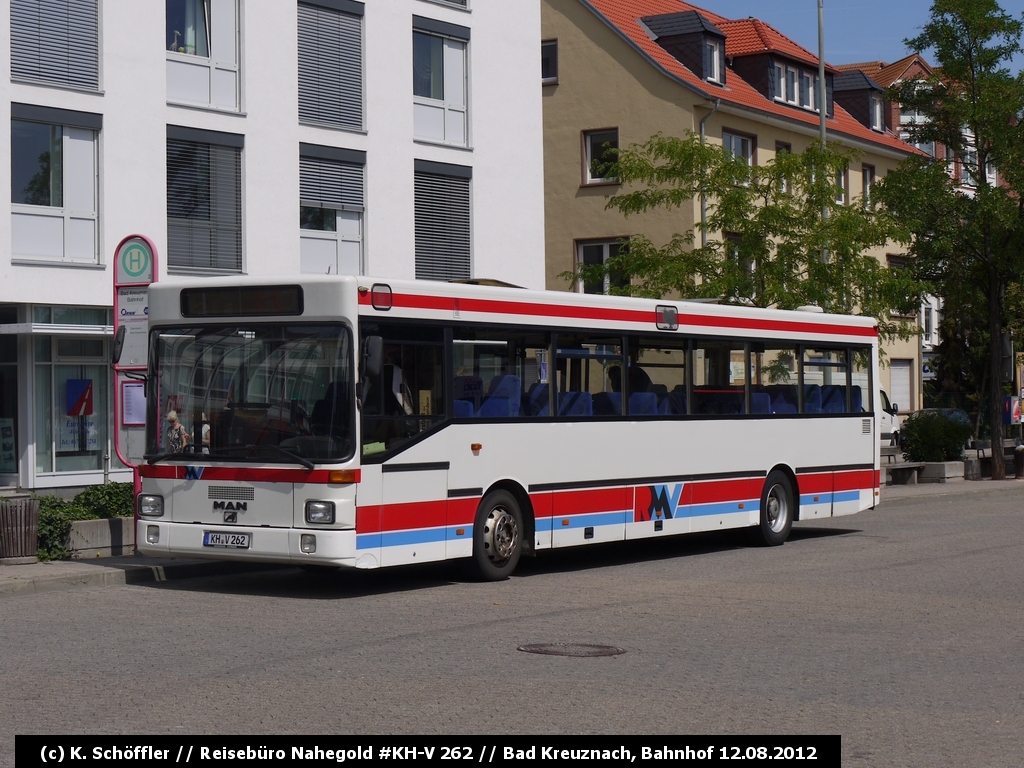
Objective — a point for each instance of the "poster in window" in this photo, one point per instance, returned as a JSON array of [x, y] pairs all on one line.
[[79, 397], [8, 462], [77, 430]]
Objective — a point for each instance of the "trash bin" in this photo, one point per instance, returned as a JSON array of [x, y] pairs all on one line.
[[1018, 462], [19, 528]]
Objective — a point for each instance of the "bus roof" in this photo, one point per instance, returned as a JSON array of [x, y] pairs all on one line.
[[455, 302]]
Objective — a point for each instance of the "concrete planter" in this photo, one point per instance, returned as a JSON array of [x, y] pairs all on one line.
[[941, 472], [102, 538]]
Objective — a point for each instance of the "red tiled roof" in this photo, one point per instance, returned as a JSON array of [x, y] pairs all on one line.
[[624, 17], [745, 37]]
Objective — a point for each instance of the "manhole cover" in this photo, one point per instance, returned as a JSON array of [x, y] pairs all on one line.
[[572, 649]]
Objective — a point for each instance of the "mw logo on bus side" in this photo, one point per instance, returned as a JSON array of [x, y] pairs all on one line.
[[656, 502]]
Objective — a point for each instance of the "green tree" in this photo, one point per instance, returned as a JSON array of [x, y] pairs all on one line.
[[763, 239], [968, 243]]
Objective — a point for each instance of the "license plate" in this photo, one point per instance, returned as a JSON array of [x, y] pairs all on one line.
[[230, 540]]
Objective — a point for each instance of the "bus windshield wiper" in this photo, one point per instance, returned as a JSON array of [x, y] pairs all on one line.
[[250, 448]]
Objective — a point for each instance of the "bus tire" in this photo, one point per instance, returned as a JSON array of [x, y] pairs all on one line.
[[497, 536], [777, 509]]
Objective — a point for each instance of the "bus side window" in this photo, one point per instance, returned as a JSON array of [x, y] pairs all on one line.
[[498, 374], [589, 375], [657, 377], [407, 398], [775, 379], [719, 378]]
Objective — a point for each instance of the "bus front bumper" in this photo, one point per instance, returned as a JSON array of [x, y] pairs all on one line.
[[271, 545]]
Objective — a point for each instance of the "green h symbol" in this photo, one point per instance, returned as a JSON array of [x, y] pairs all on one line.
[[135, 260]]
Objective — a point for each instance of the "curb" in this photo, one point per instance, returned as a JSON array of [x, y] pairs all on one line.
[[80, 576]]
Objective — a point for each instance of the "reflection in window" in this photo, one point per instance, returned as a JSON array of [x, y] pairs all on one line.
[[188, 23]]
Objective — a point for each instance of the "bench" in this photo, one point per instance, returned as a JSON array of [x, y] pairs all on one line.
[[891, 453], [904, 473]]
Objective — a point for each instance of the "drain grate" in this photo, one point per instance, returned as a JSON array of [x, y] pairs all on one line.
[[572, 649]]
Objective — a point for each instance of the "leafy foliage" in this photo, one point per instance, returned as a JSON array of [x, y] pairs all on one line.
[[94, 503], [968, 244], [772, 254], [935, 436]]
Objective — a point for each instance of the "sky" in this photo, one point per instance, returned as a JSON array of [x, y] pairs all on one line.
[[855, 30]]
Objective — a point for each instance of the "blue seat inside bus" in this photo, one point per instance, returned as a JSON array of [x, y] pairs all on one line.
[[463, 409], [760, 402], [503, 397], [783, 398], [812, 398], [833, 399], [536, 401], [575, 404], [643, 404]]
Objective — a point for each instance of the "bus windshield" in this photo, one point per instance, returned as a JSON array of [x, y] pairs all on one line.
[[257, 393]]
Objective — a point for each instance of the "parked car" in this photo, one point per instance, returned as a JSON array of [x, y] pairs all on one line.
[[889, 427]]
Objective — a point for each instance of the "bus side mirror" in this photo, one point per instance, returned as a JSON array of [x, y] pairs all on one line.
[[373, 356], [894, 409], [115, 353]]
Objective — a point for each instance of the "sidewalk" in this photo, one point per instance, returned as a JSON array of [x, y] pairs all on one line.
[[64, 575]]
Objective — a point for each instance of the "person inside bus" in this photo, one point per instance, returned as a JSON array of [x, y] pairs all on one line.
[[177, 436]]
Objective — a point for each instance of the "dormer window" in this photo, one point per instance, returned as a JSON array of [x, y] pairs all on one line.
[[714, 56], [877, 122], [691, 40]]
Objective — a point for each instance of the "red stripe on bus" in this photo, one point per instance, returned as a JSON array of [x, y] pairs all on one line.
[[853, 481], [241, 474], [818, 483], [462, 511], [585, 502], [533, 309], [726, 490]]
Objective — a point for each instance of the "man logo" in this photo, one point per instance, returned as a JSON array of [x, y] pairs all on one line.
[[193, 473], [239, 506]]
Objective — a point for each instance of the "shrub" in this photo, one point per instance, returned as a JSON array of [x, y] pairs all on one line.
[[95, 502], [935, 435]]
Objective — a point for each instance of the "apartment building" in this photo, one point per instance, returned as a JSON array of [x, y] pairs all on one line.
[[399, 138], [618, 71]]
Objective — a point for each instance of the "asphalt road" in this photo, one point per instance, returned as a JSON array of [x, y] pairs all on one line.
[[901, 629]]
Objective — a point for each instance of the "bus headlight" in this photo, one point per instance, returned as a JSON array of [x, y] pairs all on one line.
[[320, 512], [151, 506]]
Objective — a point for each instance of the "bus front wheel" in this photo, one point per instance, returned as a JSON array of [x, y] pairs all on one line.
[[777, 509], [497, 536]]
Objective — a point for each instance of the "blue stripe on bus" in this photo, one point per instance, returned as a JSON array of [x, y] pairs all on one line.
[[730, 507], [846, 496], [816, 498], [414, 536]]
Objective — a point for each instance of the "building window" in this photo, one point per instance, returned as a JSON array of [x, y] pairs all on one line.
[[72, 409], [331, 64], [739, 146], [54, 185], [714, 60], [792, 78], [442, 213], [204, 201], [331, 192], [842, 187], [595, 254], [868, 177], [549, 62], [440, 109], [807, 90], [202, 53], [969, 166], [56, 41], [600, 152], [781, 148], [877, 121]]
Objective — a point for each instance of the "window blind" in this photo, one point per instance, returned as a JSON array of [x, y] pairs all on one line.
[[442, 227], [330, 67], [330, 184], [56, 41], [204, 206]]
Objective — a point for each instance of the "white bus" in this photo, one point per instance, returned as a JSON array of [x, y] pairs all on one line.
[[352, 422]]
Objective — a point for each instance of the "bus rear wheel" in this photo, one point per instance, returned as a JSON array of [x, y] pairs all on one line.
[[777, 509], [497, 536]]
